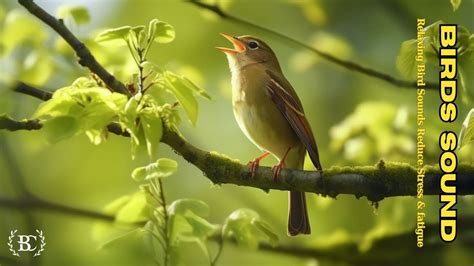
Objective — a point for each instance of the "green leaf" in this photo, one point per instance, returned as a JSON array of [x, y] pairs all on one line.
[[201, 228], [138, 35], [138, 29], [152, 128], [93, 107], [160, 169], [455, 4], [267, 230], [198, 90], [121, 33], [183, 94], [58, 106], [160, 32], [406, 63], [128, 122], [114, 206], [246, 227], [61, 127], [96, 115], [181, 206], [135, 210], [187, 223], [79, 14], [467, 131]]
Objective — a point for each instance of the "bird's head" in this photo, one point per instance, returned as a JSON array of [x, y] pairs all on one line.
[[249, 50]]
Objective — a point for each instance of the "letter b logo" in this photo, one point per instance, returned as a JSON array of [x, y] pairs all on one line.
[[25, 243]]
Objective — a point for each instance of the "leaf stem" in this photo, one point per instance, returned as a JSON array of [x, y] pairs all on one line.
[[220, 243]]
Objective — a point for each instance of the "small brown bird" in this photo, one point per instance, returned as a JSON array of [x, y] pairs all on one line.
[[270, 114]]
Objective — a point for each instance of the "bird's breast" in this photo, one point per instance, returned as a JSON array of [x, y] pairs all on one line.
[[257, 115]]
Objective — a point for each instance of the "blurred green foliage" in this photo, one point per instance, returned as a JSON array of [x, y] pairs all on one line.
[[356, 120]]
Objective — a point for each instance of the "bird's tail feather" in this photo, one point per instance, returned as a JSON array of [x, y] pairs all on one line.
[[298, 222]]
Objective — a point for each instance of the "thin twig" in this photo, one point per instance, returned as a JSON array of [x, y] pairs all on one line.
[[33, 203], [166, 221], [32, 91], [85, 57], [215, 8], [220, 248]]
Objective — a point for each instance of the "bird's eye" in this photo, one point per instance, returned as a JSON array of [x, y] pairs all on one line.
[[253, 45]]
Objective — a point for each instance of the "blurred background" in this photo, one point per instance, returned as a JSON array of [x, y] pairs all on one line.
[[357, 120]]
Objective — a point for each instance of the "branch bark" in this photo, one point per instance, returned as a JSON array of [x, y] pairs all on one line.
[[374, 182], [85, 57], [216, 9]]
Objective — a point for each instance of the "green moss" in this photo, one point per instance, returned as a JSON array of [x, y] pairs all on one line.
[[220, 167], [379, 180]]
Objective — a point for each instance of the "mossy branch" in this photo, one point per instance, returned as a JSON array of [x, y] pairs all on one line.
[[374, 182]]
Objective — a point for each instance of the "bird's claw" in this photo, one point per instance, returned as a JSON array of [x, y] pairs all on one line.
[[277, 170], [253, 165]]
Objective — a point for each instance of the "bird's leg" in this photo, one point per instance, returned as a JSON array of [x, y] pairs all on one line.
[[253, 165], [277, 168]]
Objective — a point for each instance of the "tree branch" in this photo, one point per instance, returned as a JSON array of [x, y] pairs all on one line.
[[33, 203], [374, 182], [85, 57], [12, 125], [381, 251], [216, 9], [32, 91]]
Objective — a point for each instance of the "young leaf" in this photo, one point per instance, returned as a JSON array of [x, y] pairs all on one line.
[[138, 29], [138, 36], [184, 95], [79, 14], [187, 223], [406, 63], [467, 131], [135, 210], [128, 122], [160, 169], [201, 228], [246, 227], [152, 128], [114, 206], [121, 33], [61, 127], [57, 106], [181, 206], [160, 32], [267, 230], [198, 90]]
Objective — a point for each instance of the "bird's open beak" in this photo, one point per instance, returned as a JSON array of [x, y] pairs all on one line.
[[239, 46]]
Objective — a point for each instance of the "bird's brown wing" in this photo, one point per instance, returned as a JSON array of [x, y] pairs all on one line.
[[286, 100]]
